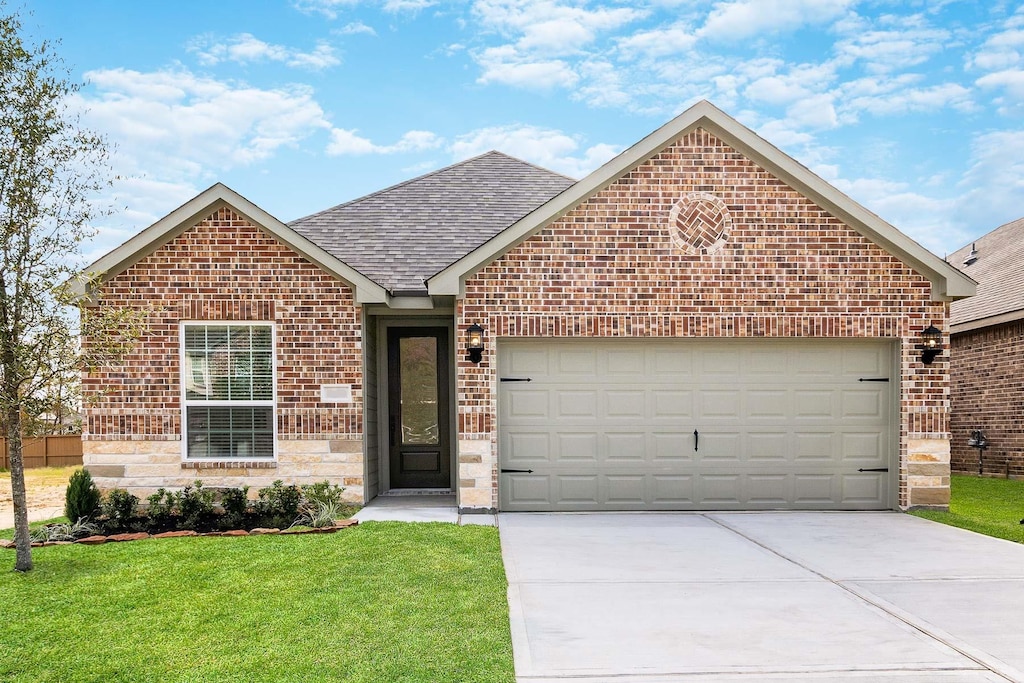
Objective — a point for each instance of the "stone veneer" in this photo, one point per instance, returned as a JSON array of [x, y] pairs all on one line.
[[226, 269], [615, 266]]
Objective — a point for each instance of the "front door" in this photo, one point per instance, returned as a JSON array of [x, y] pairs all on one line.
[[418, 416]]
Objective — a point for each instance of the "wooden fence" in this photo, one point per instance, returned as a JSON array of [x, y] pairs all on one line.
[[46, 451]]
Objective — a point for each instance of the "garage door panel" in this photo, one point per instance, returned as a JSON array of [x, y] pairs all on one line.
[[625, 403], [814, 489], [626, 489], [762, 446], [574, 404], [719, 404], [863, 488], [532, 403], [672, 404], [611, 426], [672, 446], [675, 490], [625, 447], [577, 489], [863, 447], [815, 404], [768, 405], [773, 490]]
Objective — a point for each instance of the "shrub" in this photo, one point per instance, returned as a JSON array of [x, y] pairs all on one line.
[[160, 507], [278, 505], [236, 504], [195, 505], [322, 492], [82, 498], [120, 507]]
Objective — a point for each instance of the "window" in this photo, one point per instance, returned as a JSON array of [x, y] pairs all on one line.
[[228, 386]]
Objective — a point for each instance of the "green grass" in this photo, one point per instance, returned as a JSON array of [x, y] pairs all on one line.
[[382, 601], [993, 507]]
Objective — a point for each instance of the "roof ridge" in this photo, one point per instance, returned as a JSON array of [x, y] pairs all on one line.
[[990, 233], [424, 176]]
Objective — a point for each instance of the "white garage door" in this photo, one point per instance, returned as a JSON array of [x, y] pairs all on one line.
[[696, 425]]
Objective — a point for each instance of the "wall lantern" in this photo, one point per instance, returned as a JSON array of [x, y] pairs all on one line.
[[475, 343], [931, 344]]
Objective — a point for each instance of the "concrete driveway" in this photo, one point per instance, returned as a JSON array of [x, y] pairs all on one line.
[[815, 597]]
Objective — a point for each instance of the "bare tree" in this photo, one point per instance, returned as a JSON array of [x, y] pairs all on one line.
[[51, 170]]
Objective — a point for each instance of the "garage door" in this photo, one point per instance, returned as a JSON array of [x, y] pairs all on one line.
[[695, 425]]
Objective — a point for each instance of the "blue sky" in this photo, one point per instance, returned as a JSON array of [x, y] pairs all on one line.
[[914, 109]]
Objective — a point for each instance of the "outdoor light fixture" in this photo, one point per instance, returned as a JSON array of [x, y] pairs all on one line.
[[931, 344], [475, 343]]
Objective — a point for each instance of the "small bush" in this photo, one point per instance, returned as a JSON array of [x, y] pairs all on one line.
[[120, 508], [278, 505], [160, 508], [322, 492], [195, 505], [82, 498], [236, 505]]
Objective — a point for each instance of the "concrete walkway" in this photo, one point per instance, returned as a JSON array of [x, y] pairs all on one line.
[[815, 597], [7, 515], [419, 508]]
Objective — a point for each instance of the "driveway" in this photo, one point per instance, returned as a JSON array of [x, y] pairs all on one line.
[[815, 597]]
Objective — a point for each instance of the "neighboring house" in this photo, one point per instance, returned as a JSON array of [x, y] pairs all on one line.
[[987, 349], [701, 323]]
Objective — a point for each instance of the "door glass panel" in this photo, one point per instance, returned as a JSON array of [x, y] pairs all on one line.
[[418, 360]]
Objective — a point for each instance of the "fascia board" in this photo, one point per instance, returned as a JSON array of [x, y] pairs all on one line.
[[203, 204], [947, 282], [989, 321]]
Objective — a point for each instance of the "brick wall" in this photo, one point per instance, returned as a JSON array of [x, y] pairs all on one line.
[[988, 394], [225, 269], [646, 257]]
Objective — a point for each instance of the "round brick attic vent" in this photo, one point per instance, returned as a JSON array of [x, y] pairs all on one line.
[[699, 223]]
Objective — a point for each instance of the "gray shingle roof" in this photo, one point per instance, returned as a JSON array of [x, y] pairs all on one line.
[[401, 235], [999, 272]]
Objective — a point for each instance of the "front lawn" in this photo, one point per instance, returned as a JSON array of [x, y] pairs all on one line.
[[383, 601], [993, 507]]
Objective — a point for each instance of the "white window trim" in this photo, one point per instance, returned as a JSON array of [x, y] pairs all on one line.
[[185, 403]]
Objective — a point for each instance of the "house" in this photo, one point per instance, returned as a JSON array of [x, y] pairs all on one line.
[[987, 352], [701, 323]]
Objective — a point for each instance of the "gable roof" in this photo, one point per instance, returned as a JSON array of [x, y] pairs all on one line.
[[202, 205], [997, 269], [947, 282], [405, 233]]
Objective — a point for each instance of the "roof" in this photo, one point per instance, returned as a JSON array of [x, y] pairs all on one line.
[[996, 266], [400, 236], [202, 205], [947, 282]]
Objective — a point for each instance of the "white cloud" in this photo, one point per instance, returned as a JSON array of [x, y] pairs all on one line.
[[742, 19], [661, 42], [327, 8], [545, 147], [926, 99], [196, 120], [246, 48], [396, 6], [817, 112], [1012, 80], [356, 28], [507, 66], [347, 142], [892, 50]]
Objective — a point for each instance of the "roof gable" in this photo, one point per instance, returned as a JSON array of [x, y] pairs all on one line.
[[205, 203], [996, 266], [947, 282], [403, 234]]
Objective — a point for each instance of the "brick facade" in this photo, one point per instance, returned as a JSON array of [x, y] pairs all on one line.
[[764, 261], [226, 269], [988, 394]]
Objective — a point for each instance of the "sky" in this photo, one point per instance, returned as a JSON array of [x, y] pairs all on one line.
[[915, 109]]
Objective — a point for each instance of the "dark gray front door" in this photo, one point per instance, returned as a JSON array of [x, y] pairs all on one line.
[[418, 420]]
